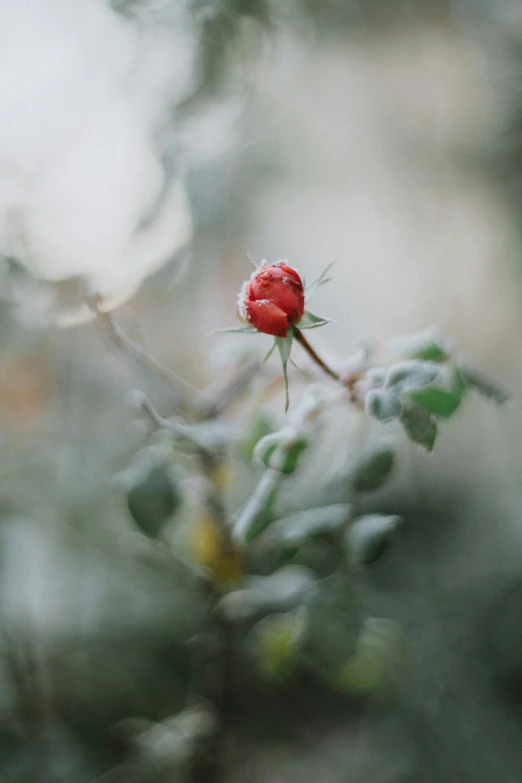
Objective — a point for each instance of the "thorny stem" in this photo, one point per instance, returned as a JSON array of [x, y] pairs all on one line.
[[303, 342]]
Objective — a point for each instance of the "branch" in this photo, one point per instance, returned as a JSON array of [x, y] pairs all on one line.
[[219, 395], [184, 391]]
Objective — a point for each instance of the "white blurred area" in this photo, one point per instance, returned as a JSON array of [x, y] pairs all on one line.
[[85, 194]]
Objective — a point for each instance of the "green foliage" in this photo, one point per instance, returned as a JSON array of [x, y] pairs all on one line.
[[369, 536], [372, 668], [299, 528], [441, 400], [411, 375], [258, 515], [383, 404], [306, 614], [373, 467], [333, 626], [275, 641], [427, 345], [280, 591], [259, 427], [152, 498], [291, 460], [420, 426]]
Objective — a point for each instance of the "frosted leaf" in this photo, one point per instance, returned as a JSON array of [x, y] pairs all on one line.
[[298, 528], [280, 591], [369, 536]]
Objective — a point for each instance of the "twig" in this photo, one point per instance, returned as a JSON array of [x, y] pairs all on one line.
[[178, 428], [219, 395], [185, 392]]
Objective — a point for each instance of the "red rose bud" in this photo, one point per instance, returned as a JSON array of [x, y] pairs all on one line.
[[273, 299]]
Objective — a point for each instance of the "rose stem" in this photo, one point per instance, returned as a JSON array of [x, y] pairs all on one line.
[[301, 339]]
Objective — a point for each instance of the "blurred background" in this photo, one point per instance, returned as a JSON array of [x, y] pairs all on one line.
[[147, 146]]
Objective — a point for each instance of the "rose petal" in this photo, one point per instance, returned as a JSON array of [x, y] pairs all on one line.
[[281, 286], [267, 317]]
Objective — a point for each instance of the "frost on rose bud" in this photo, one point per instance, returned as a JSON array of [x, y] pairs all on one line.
[[272, 302], [273, 299]]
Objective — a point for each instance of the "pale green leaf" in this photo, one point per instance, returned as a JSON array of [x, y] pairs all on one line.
[[368, 536], [372, 467], [420, 426], [383, 405], [282, 590], [300, 527]]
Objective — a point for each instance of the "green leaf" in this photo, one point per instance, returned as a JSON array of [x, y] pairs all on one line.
[[427, 345], [439, 402], [334, 623], [420, 426], [292, 458], [383, 405], [373, 667], [259, 427], [376, 376], [412, 375], [369, 536], [275, 642], [284, 345], [262, 518], [152, 498], [373, 467], [473, 379], [298, 528], [282, 590], [311, 321]]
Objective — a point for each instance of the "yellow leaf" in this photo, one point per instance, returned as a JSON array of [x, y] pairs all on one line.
[[224, 476], [212, 551]]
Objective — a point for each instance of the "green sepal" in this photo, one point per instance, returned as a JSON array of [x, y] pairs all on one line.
[[284, 345], [311, 321], [239, 329]]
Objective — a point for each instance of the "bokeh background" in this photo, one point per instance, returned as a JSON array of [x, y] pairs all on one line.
[[382, 134]]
